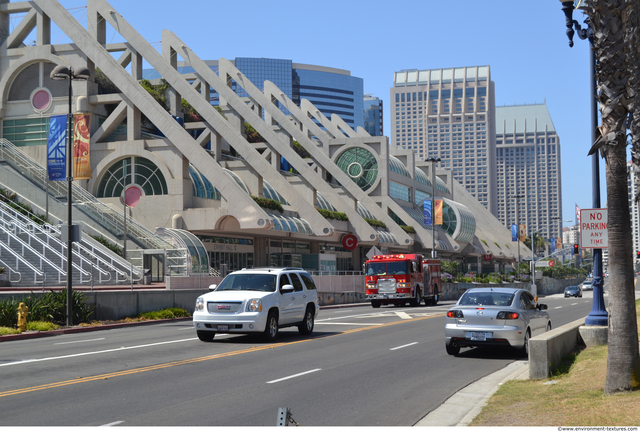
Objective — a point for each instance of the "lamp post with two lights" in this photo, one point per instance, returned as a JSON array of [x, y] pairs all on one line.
[[60, 73]]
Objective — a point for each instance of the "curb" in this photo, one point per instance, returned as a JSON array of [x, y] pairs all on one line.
[[33, 335]]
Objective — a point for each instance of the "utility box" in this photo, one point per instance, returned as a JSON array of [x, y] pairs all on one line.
[[76, 233]]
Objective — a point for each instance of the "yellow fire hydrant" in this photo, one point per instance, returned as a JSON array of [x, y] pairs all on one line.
[[23, 313]]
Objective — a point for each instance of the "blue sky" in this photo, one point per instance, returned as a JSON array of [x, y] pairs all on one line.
[[524, 42]]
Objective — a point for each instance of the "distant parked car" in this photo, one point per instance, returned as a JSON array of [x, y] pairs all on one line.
[[572, 291], [506, 317], [587, 285]]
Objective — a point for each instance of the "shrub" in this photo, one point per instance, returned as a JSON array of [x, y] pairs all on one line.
[[41, 326], [328, 214], [103, 241], [268, 203], [50, 307], [165, 314]]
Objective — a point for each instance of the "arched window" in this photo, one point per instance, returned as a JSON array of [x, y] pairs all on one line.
[[132, 170]]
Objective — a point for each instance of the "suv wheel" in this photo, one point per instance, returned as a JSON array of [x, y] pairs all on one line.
[[205, 336], [306, 327], [271, 331]]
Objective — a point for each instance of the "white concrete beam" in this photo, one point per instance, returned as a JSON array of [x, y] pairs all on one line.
[[245, 210], [22, 30], [306, 210], [324, 160]]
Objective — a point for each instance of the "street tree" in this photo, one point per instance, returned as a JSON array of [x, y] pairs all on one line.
[[615, 40]]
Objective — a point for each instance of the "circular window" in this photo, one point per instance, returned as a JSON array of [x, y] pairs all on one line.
[[40, 99], [360, 165]]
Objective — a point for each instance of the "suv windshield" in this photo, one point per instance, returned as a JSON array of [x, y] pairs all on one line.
[[248, 282], [388, 268]]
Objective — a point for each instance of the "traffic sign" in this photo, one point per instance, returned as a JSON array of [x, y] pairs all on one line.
[[594, 229], [549, 263]]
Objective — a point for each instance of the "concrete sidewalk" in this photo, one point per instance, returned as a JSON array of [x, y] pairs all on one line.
[[461, 408]]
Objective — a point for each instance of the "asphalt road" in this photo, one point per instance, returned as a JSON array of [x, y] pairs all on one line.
[[361, 367]]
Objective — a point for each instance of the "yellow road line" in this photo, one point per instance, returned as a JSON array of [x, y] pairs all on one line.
[[81, 380]]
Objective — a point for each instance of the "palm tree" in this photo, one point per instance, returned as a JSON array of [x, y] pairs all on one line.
[[615, 25], [538, 241]]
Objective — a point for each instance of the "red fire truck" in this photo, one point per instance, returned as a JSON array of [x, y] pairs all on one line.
[[398, 279]]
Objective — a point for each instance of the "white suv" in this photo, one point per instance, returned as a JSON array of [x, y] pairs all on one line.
[[259, 300]]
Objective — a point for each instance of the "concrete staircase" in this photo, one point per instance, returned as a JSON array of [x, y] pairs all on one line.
[[34, 256]]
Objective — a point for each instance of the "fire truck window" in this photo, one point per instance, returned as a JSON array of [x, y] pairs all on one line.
[[376, 269], [398, 268], [414, 267]]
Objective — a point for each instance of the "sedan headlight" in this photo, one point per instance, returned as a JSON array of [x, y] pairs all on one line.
[[199, 304], [254, 305]]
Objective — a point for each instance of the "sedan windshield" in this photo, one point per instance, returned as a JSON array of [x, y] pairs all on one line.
[[388, 268], [248, 282], [486, 298]]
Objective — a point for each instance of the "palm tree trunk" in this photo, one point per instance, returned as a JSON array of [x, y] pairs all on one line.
[[631, 24], [623, 364]]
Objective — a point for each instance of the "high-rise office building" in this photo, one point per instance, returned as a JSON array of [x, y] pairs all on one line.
[[449, 114], [373, 115], [528, 165], [331, 90]]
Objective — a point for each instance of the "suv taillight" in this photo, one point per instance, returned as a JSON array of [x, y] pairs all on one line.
[[455, 314]]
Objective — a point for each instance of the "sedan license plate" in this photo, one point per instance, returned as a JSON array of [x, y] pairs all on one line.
[[223, 327], [478, 336]]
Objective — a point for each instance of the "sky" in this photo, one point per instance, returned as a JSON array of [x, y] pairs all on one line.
[[524, 43]]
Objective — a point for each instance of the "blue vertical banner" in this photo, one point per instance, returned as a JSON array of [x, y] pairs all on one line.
[[552, 244], [57, 148], [427, 212], [514, 232]]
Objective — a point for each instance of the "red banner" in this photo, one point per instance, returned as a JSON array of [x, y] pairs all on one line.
[[81, 140]]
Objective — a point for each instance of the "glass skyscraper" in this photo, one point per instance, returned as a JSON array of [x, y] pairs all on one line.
[[373, 119]]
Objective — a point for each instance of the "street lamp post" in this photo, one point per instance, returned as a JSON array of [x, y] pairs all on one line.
[[433, 161], [598, 315], [60, 73], [517, 197]]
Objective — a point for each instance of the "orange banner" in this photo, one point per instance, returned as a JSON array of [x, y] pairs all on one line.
[[438, 212], [81, 140], [523, 231]]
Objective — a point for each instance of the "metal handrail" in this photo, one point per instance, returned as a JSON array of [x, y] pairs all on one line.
[[110, 218], [26, 223], [8, 267]]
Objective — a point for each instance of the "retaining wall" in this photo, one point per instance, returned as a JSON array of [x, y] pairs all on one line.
[[546, 350]]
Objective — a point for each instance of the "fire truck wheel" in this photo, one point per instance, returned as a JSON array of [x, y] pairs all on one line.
[[453, 349], [415, 302], [375, 304], [435, 299]]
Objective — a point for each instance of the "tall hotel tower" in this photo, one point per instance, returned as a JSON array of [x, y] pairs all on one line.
[[528, 165], [449, 114]]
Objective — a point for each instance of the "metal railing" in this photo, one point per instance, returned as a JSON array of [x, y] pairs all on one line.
[[111, 219], [13, 223]]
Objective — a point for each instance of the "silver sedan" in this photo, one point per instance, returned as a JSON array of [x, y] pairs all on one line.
[[496, 317]]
